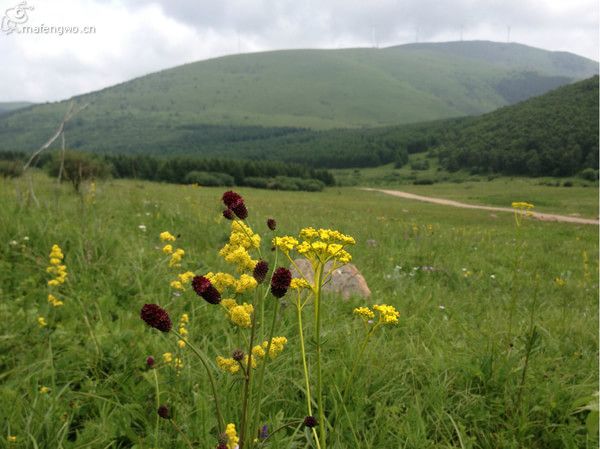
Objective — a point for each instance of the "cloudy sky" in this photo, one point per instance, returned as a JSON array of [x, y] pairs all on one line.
[[135, 37]]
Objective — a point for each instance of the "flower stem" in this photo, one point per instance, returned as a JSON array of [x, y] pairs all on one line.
[[248, 383], [318, 287], [157, 406], [213, 386]]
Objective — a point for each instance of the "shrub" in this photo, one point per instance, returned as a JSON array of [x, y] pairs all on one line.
[[78, 167], [589, 174], [209, 179], [11, 169], [423, 181], [421, 165]]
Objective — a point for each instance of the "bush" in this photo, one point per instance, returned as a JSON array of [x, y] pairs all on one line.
[[421, 165], [568, 184], [11, 169], [423, 182], [209, 179], [78, 167], [589, 174], [257, 182]]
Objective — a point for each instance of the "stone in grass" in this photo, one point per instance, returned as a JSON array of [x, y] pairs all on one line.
[[346, 281]]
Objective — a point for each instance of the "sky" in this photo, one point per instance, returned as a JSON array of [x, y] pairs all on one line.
[[121, 39]]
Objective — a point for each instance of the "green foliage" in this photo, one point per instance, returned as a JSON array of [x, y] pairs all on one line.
[[11, 169], [77, 167], [209, 179], [448, 373]]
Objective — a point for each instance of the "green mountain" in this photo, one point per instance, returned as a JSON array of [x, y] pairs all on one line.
[[256, 96], [13, 106]]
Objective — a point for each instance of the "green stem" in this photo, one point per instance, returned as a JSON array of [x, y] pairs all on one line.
[[157, 406], [261, 373], [213, 386], [303, 352], [322, 429], [248, 383], [356, 361]]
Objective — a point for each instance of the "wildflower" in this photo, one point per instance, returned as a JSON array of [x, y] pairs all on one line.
[[186, 277], [44, 390], [142, 228], [229, 198], [264, 432], [55, 267], [259, 352], [176, 257], [228, 365], [228, 303], [42, 321], [167, 357], [168, 249], [221, 281], [310, 421], [241, 315], [203, 287], [238, 255], [11, 439], [150, 361], [260, 271], [277, 346], [560, 282], [271, 224], [166, 236], [177, 285], [180, 344], [228, 213], [178, 363], [238, 355], [164, 412], [245, 282], [364, 312], [299, 283], [240, 210], [280, 282], [156, 317], [232, 438], [387, 314], [285, 244], [55, 302]]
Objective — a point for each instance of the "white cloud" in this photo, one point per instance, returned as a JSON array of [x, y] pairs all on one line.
[[136, 37]]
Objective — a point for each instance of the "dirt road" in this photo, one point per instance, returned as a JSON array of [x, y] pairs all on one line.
[[444, 202]]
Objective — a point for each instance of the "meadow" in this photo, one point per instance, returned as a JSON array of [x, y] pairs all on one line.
[[496, 345]]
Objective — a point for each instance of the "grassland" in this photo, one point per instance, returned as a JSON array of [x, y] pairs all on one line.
[[491, 351]]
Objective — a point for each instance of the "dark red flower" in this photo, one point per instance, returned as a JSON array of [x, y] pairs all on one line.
[[150, 361], [238, 355], [271, 224], [310, 421], [260, 271], [239, 208], [228, 213], [164, 412], [204, 288], [230, 198], [280, 282], [156, 317]]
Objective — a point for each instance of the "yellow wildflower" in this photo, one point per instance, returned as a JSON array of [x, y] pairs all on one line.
[[44, 390], [228, 365], [241, 315], [560, 282], [221, 281], [299, 283], [245, 282], [181, 344], [168, 249], [177, 285], [42, 321], [364, 312], [176, 257], [232, 438], [285, 244], [387, 314], [11, 439], [277, 346], [254, 362], [167, 357], [240, 257], [183, 331], [54, 301], [166, 236], [228, 303], [178, 363], [259, 352], [185, 318], [186, 277]]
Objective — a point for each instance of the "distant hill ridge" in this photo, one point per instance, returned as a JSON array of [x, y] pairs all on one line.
[[317, 89]]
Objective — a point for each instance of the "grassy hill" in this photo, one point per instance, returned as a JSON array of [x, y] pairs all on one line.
[[319, 89], [13, 106]]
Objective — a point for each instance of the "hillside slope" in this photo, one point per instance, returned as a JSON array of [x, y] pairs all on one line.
[[316, 89]]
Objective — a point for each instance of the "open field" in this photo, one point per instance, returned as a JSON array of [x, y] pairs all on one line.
[[496, 346]]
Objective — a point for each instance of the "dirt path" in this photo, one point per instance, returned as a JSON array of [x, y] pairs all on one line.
[[444, 202]]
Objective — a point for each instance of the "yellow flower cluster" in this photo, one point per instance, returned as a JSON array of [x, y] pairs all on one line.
[[232, 438], [167, 357], [364, 312], [223, 281], [240, 315], [182, 280], [44, 390], [11, 438], [387, 314], [522, 205], [318, 246], [299, 283], [241, 239], [42, 321], [56, 268], [183, 321], [170, 360], [560, 282], [166, 236], [245, 282], [228, 365], [54, 301]]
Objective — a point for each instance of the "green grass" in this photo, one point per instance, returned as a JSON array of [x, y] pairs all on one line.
[[318, 89], [449, 375]]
